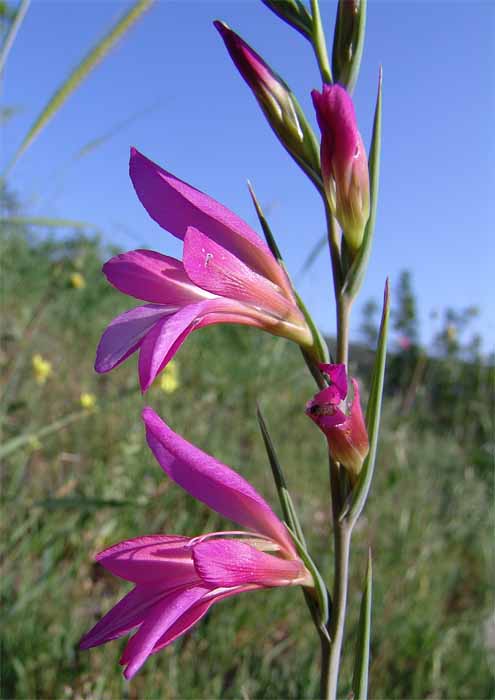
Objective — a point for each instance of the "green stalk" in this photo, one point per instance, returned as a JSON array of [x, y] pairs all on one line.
[[320, 45]]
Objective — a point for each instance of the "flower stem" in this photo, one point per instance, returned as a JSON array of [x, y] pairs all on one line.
[[342, 540]]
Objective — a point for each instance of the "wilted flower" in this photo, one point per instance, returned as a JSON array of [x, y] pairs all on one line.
[[227, 275], [42, 369], [341, 421], [177, 579], [343, 162]]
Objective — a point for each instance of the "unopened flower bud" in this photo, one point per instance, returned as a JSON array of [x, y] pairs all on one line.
[[275, 98], [344, 165], [348, 42], [341, 421]]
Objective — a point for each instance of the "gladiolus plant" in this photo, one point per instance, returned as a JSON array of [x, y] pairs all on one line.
[[228, 274]]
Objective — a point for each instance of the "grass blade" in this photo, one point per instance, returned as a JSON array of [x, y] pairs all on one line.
[[91, 60], [360, 493], [30, 438], [362, 661], [12, 33], [355, 276], [47, 222]]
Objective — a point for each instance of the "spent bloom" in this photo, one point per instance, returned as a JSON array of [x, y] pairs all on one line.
[[176, 578], [42, 369], [227, 275], [344, 164], [341, 420]]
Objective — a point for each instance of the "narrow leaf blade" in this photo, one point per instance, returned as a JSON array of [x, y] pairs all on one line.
[[278, 476], [91, 60], [294, 13], [360, 492]]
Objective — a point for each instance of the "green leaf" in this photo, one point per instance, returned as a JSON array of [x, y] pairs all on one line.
[[294, 12], [359, 494], [12, 33], [348, 42], [355, 276], [288, 509], [81, 72], [362, 660]]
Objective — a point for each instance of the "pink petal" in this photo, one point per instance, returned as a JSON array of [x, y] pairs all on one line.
[[163, 341], [194, 614], [175, 206], [212, 482], [153, 277], [156, 624], [129, 612], [125, 333], [338, 376], [213, 268], [232, 563], [161, 559]]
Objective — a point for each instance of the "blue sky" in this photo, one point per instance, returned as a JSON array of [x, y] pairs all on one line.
[[199, 120]]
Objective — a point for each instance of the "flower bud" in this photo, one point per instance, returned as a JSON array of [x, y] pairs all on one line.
[[344, 165], [275, 99], [348, 42], [341, 421]]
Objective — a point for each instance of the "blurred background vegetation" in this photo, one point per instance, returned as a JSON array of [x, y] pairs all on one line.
[[77, 477]]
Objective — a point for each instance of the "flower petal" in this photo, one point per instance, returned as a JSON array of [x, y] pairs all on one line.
[[231, 563], [125, 334], [156, 624], [152, 277], [213, 268], [194, 614], [337, 374], [164, 559], [163, 341], [129, 612], [175, 206], [212, 482]]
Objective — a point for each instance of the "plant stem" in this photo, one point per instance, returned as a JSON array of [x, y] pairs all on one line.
[[342, 540], [325, 668], [343, 313]]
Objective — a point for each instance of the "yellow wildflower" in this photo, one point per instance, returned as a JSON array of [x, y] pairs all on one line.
[[87, 401], [169, 380], [77, 280], [42, 369]]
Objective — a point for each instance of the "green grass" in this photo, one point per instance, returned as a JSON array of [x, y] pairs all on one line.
[[429, 519]]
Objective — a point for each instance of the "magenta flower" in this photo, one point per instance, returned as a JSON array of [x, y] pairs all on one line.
[[227, 275], [342, 424], [177, 579], [344, 164]]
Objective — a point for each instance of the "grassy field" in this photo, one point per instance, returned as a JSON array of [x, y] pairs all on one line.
[[77, 480]]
